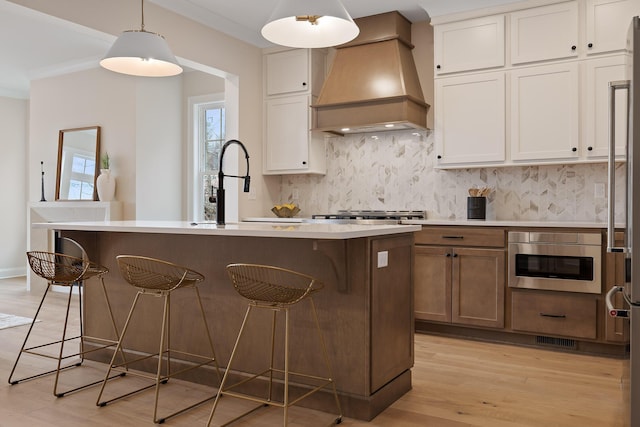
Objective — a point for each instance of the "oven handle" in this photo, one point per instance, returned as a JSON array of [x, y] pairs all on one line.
[[615, 312], [611, 166]]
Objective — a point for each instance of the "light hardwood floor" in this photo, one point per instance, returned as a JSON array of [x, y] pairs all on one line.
[[456, 383]]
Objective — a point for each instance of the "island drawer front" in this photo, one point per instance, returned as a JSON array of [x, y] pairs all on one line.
[[566, 314], [459, 236]]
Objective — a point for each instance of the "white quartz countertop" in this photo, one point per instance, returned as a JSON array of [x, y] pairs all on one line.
[[247, 229], [464, 222], [511, 223]]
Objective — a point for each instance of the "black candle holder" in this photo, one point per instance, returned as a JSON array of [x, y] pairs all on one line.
[[42, 199]]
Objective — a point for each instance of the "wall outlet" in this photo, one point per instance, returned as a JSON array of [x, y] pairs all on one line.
[[599, 190], [295, 195], [383, 259], [252, 193]]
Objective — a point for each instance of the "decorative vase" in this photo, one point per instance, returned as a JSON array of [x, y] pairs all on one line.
[[106, 185], [476, 207]]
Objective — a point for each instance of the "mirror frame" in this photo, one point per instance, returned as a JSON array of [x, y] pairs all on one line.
[[61, 135]]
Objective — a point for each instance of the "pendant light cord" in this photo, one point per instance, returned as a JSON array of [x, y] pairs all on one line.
[[142, 15]]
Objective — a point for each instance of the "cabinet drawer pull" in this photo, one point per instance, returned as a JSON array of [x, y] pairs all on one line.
[[453, 237], [555, 316]]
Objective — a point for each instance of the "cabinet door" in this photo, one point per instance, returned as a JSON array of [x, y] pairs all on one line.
[[608, 22], [544, 112], [287, 133], [470, 119], [599, 73], [287, 71], [391, 314], [478, 287], [469, 45], [432, 283], [543, 33]]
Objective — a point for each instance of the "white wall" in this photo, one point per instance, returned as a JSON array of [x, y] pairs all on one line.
[[13, 186]]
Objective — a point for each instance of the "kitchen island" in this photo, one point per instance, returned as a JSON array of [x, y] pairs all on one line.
[[365, 309]]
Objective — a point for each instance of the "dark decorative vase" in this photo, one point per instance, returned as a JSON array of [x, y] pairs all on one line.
[[476, 207]]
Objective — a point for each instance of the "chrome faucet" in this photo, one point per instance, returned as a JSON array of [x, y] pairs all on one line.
[[221, 175]]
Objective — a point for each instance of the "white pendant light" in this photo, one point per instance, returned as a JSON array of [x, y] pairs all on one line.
[[310, 24], [141, 53]]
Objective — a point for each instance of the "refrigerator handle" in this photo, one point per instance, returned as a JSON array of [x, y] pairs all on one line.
[[611, 163], [615, 312]]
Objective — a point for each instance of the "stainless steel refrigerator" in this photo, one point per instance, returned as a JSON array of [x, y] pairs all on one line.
[[631, 288]]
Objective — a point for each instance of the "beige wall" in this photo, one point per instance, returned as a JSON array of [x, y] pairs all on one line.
[[203, 47], [86, 98], [13, 188]]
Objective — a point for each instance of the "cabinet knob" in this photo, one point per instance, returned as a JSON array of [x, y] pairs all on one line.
[[304, 162], [455, 255], [590, 45], [438, 156], [573, 47], [304, 83], [590, 148], [448, 255], [438, 67], [574, 149]]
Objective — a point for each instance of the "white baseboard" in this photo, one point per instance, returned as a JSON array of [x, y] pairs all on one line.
[[6, 273]]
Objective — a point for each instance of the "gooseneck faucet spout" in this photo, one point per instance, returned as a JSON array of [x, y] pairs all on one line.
[[221, 175]]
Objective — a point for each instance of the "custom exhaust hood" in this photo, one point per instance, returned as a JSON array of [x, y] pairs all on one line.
[[373, 83]]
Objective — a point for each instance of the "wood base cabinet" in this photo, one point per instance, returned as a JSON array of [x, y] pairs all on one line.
[[460, 283], [554, 313]]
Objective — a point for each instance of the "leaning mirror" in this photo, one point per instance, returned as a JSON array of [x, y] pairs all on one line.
[[78, 166]]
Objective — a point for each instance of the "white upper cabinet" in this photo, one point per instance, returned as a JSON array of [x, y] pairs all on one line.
[[292, 79], [287, 72], [473, 44], [607, 24], [544, 33], [470, 120], [287, 125], [545, 112], [599, 72]]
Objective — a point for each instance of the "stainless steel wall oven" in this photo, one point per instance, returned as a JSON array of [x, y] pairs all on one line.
[[557, 261]]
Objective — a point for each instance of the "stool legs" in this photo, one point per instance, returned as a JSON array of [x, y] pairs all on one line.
[[35, 350], [287, 373], [164, 350]]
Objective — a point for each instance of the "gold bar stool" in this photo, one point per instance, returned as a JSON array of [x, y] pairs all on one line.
[[69, 271], [275, 289], [158, 278]]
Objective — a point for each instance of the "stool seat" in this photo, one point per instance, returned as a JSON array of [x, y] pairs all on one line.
[[276, 289], [160, 278], [154, 274], [271, 285], [64, 270], [61, 269]]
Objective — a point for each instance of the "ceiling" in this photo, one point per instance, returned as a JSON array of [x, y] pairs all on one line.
[[35, 45]]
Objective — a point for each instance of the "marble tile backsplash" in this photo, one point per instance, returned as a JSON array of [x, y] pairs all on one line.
[[395, 171]]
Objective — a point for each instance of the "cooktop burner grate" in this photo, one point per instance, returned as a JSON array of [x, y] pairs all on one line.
[[373, 215]]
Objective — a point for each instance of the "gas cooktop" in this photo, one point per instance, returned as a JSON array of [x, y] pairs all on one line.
[[372, 215]]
